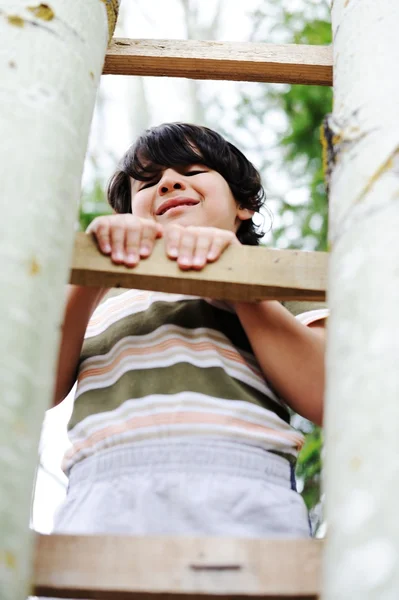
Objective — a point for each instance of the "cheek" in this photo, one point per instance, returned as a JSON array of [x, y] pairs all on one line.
[[222, 209], [226, 199], [141, 205], [220, 190]]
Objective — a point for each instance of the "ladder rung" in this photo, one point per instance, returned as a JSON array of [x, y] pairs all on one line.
[[129, 568], [243, 273], [234, 61]]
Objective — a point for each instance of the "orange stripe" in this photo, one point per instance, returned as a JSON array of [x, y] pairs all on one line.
[[94, 321], [180, 418], [162, 346]]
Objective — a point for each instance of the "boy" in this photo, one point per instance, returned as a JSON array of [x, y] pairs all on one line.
[[180, 423]]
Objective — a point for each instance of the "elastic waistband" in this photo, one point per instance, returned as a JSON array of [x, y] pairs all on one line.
[[210, 456]]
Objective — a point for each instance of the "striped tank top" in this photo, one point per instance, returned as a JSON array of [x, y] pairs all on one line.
[[156, 365]]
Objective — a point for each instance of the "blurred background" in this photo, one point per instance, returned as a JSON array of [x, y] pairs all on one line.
[[278, 128]]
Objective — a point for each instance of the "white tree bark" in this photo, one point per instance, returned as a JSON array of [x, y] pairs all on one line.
[[362, 436], [50, 64]]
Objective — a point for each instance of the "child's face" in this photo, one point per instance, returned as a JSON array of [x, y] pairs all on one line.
[[191, 195]]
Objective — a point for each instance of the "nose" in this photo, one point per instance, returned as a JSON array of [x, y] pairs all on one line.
[[171, 180]]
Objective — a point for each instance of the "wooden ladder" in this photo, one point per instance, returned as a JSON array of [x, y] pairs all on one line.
[[121, 568]]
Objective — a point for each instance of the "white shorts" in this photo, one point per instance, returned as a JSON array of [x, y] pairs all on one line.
[[199, 487]]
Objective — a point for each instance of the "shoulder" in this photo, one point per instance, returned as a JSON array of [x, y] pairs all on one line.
[[115, 305], [308, 313], [299, 307]]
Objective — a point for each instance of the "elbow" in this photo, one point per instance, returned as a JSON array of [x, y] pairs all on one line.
[[311, 405], [61, 390], [317, 419], [315, 410]]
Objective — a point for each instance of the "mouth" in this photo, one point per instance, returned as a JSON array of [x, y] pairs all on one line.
[[173, 203]]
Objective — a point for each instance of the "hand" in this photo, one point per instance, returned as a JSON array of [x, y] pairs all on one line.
[[194, 247], [124, 237]]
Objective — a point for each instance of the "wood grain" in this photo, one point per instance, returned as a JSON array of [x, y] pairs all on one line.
[[232, 61], [135, 568], [243, 273]]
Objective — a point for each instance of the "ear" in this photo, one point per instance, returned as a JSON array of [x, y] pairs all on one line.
[[244, 213]]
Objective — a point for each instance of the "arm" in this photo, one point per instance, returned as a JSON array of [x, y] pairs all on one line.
[[117, 236], [290, 354], [80, 305]]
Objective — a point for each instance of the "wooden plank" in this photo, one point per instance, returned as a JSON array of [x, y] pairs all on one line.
[[151, 568], [232, 61], [243, 273]]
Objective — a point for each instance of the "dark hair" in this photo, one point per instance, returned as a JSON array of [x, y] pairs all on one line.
[[175, 144]]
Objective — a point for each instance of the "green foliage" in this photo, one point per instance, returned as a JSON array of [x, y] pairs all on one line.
[[309, 467], [93, 204], [317, 32], [300, 217], [306, 107]]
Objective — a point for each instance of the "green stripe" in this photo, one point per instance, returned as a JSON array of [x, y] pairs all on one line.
[[189, 314], [182, 377]]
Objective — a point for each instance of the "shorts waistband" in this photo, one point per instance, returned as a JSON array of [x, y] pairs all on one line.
[[211, 456]]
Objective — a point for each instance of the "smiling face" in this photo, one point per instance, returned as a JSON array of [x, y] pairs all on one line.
[[189, 195], [190, 175]]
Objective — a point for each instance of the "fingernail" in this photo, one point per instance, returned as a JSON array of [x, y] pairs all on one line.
[[198, 261], [173, 252], [144, 250], [107, 248], [131, 258], [117, 256], [183, 260]]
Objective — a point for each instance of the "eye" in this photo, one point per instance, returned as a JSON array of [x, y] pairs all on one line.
[[194, 172]]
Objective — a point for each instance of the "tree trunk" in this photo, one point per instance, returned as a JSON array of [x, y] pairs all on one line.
[[362, 439], [51, 62]]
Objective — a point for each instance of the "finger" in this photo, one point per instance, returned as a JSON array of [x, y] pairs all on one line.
[[201, 251], [118, 242], [218, 245], [187, 245], [158, 229], [100, 230], [132, 244], [172, 236], [93, 225], [148, 235]]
